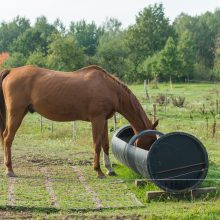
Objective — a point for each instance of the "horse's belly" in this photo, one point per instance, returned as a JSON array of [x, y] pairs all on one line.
[[62, 117], [62, 112]]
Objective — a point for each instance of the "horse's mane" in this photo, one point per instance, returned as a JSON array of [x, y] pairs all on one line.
[[134, 101], [112, 77]]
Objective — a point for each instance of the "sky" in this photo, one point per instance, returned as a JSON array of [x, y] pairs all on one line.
[[98, 10]]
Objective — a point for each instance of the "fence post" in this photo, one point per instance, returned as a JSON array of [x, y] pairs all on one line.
[[165, 104], [171, 84], [154, 112], [145, 90], [214, 128], [217, 107]]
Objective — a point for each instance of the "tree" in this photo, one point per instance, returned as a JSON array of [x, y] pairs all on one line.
[[86, 35], [187, 55], [64, 54], [216, 69], [169, 62], [112, 54], [149, 34], [35, 38], [164, 64], [15, 60], [203, 31], [184, 22], [150, 67], [58, 24], [37, 58], [206, 42], [46, 30], [11, 31], [28, 42], [112, 25]]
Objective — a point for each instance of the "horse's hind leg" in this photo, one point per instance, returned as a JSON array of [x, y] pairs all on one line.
[[105, 146], [98, 124], [14, 120]]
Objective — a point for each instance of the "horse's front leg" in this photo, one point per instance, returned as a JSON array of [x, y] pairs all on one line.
[[12, 125], [105, 146], [98, 124]]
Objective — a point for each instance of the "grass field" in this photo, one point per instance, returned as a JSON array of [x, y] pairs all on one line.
[[56, 179]]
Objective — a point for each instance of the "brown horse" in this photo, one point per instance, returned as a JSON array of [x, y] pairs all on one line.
[[88, 94]]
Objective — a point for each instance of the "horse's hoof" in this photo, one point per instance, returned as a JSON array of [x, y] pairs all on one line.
[[101, 176], [111, 173], [10, 174]]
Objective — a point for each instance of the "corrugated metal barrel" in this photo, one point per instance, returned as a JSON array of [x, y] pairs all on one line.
[[176, 161]]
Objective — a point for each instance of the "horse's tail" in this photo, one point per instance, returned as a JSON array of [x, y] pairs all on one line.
[[3, 74]]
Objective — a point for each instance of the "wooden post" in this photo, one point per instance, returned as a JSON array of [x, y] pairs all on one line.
[[145, 90], [217, 107], [155, 85], [171, 84], [154, 112], [214, 128], [165, 104], [140, 182], [115, 122], [41, 124], [192, 194], [207, 125]]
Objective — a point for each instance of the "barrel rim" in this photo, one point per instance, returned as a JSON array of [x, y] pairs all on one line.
[[204, 174], [120, 130]]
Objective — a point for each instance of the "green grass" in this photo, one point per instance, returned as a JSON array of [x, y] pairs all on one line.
[[59, 151]]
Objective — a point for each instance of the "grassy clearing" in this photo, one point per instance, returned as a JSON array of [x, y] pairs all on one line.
[[33, 150]]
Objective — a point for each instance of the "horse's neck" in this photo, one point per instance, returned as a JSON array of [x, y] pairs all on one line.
[[134, 113]]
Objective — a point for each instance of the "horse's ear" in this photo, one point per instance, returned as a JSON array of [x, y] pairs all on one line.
[[155, 124]]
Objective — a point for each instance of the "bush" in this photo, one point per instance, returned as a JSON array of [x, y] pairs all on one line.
[[178, 101], [161, 99], [15, 60]]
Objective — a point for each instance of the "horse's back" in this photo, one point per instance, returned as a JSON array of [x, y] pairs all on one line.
[[34, 74]]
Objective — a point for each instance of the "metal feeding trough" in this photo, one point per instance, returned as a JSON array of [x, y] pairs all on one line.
[[176, 162]]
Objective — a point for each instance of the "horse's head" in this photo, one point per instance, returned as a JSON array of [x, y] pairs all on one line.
[[146, 141]]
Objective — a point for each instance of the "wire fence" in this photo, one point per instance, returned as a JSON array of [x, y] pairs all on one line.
[[206, 112], [196, 119]]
